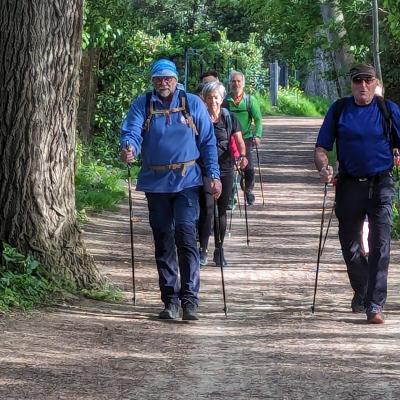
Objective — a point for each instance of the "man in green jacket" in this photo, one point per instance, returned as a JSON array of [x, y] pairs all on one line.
[[247, 111]]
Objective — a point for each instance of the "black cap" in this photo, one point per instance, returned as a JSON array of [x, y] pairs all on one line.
[[363, 71]]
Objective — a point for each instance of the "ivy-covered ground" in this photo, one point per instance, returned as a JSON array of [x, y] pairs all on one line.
[[269, 347]]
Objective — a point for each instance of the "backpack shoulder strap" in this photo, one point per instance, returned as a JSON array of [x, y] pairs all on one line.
[[185, 109], [337, 112], [149, 109], [228, 122], [247, 98], [388, 123]]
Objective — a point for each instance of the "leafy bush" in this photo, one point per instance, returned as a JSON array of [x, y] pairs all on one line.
[[99, 187], [25, 284], [23, 281], [294, 102]]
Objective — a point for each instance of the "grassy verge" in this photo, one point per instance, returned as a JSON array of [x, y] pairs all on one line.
[[99, 187], [293, 102], [24, 284]]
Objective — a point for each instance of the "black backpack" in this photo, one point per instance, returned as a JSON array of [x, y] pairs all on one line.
[[383, 108]]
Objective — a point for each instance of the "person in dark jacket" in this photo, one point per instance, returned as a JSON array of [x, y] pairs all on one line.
[[227, 129]]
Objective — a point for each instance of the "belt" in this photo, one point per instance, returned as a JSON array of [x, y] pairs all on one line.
[[171, 167], [372, 180], [378, 176]]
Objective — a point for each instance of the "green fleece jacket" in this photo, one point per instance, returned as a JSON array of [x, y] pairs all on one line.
[[246, 118]]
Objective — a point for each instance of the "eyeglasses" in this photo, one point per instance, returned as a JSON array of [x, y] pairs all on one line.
[[359, 81], [160, 79]]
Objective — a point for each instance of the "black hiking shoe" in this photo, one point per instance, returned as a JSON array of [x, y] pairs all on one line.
[[203, 257], [250, 198], [217, 257], [171, 311], [190, 312], [357, 304]]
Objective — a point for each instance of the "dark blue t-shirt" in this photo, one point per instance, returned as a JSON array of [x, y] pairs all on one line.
[[363, 148]]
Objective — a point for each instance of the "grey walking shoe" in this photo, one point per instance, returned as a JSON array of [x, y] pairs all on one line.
[[171, 311], [190, 312]]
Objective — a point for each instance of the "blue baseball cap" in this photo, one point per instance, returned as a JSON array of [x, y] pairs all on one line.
[[164, 67]]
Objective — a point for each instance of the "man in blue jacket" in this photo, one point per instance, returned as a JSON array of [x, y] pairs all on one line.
[[365, 138], [171, 130]]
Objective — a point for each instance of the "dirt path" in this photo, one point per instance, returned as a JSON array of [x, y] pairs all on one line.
[[269, 347]]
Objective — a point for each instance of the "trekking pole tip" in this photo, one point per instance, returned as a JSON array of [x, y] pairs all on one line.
[[312, 309]]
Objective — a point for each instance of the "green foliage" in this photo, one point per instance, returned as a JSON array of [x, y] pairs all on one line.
[[23, 281], [25, 284], [106, 292], [293, 101], [393, 9], [265, 103], [396, 222], [98, 187]]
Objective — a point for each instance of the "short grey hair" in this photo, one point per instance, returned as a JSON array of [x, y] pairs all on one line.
[[212, 87], [233, 73]]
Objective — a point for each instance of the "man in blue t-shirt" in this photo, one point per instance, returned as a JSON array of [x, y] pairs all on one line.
[[171, 130], [365, 186]]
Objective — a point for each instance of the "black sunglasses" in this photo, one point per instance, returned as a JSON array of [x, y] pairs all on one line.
[[359, 80]]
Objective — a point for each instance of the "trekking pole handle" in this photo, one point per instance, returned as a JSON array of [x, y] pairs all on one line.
[[128, 148]]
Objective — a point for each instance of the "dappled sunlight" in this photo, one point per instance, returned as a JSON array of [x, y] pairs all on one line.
[[270, 339]]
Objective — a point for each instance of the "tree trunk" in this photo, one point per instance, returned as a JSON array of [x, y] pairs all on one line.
[[39, 69], [341, 59], [375, 40], [87, 96]]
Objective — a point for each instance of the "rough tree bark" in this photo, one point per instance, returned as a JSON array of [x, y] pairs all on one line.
[[39, 68]]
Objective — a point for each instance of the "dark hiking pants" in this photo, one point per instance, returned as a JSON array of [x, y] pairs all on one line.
[[173, 219], [356, 198]]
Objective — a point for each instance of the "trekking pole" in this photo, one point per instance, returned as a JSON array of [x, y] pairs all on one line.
[[327, 229], [219, 245], [232, 202], [334, 183], [231, 214], [397, 163], [259, 169], [319, 246], [245, 205], [128, 148], [237, 195]]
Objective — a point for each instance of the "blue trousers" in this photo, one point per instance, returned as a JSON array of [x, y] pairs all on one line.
[[173, 219], [354, 200]]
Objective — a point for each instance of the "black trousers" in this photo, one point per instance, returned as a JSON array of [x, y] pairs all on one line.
[[206, 201], [356, 198]]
